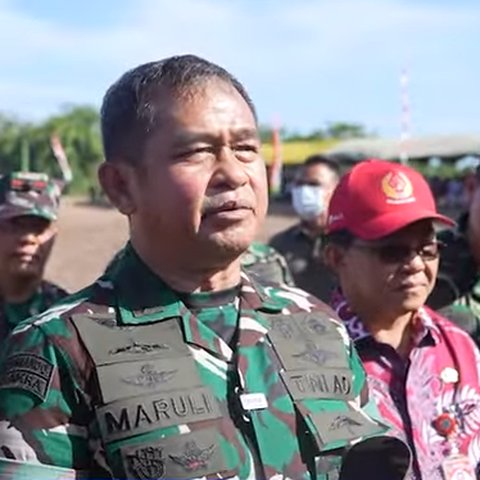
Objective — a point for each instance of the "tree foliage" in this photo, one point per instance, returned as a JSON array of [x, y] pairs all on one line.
[[78, 127]]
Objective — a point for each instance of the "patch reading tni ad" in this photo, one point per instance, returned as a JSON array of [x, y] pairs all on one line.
[[28, 372]]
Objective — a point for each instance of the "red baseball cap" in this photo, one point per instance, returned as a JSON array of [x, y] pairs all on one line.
[[377, 198]]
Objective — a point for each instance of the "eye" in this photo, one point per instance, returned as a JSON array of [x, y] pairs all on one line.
[[246, 147], [195, 151]]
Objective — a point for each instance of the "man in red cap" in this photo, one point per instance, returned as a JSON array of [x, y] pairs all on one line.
[[423, 370]]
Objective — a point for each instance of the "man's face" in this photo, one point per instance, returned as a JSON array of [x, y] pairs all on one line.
[[319, 176], [201, 190], [25, 244], [389, 275]]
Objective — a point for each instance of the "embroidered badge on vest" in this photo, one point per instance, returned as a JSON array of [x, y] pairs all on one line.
[[147, 463], [193, 457]]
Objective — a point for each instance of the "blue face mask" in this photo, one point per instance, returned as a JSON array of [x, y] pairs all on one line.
[[308, 201]]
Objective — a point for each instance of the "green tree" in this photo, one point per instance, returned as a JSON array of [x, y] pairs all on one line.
[[78, 128], [345, 130]]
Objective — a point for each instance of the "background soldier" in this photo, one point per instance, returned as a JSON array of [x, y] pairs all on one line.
[[457, 291], [175, 364], [301, 245], [28, 213]]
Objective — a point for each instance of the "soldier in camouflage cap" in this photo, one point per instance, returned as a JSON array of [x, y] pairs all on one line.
[[175, 364], [28, 213]]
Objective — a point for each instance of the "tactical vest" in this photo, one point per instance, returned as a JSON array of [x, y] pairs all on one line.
[[157, 419]]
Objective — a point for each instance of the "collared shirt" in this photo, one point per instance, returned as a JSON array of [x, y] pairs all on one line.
[[11, 314], [412, 393], [457, 290], [52, 421], [304, 258]]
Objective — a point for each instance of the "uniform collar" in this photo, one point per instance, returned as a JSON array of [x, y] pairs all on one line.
[[424, 326], [143, 297]]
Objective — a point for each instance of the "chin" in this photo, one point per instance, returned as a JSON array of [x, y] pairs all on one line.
[[412, 304], [29, 269], [236, 238]]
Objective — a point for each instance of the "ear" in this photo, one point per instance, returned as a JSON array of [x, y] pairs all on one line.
[[333, 256], [116, 180]]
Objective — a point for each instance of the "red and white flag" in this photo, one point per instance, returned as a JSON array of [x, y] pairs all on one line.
[[61, 157], [277, 163]]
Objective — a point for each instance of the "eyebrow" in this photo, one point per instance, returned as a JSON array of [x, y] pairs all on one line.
[[189, 137]]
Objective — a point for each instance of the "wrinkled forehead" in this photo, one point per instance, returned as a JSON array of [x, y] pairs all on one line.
[[203, 112]]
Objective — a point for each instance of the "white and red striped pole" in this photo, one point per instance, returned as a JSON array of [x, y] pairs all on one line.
[[405, 121], [277, 161]]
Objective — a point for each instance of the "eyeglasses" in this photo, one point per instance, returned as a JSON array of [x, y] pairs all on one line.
[[392, 253]]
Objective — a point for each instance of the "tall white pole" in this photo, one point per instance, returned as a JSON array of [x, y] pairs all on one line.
[[405, 121]]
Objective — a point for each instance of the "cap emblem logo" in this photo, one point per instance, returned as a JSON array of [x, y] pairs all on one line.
[[397, 188]]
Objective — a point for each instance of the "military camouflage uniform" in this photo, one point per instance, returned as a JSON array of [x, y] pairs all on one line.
[[24, 193], [264, 262], [457, 291], [303, 255], [130, 379], [12, 314]]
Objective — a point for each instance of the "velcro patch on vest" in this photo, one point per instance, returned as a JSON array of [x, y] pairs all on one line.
[[111, 344], [126, 418], [344, 426], [129, 379], [307, 340], [303, 353], [304, 325], [325, 383], [192, 455], [28, 372]]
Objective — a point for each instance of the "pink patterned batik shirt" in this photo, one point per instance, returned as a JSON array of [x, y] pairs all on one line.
[[412, 393]]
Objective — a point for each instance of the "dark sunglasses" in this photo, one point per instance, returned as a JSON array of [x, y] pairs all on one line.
[[399, 254]]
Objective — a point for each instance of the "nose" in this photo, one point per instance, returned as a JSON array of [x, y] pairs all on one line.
[[26, 237], [229, 169], [414, 264]]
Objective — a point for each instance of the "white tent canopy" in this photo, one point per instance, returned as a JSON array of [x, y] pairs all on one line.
[[416, 148]]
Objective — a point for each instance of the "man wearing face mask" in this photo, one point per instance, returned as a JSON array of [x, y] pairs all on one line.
[[301, 245], [28, 214]]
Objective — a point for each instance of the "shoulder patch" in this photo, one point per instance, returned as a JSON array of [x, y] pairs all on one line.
[[28, 372]]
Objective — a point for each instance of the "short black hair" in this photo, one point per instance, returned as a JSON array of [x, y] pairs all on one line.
[[343, 238], [129, 113], [319, 159]]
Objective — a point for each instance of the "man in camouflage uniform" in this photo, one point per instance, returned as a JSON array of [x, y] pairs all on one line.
[[457, 291], [175, 364], [301, 245], [28, 214], [266, 264]]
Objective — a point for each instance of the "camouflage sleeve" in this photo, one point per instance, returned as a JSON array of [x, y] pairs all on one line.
[[38, 394], [267, 264], [464, 317]]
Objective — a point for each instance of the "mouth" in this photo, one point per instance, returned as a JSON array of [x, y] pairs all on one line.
[[23, 255], [226, 209], [411, 286]]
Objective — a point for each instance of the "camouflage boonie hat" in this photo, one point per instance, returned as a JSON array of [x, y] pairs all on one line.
[[27, 193]]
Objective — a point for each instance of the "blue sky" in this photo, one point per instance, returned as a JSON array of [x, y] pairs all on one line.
[[305, 62]]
